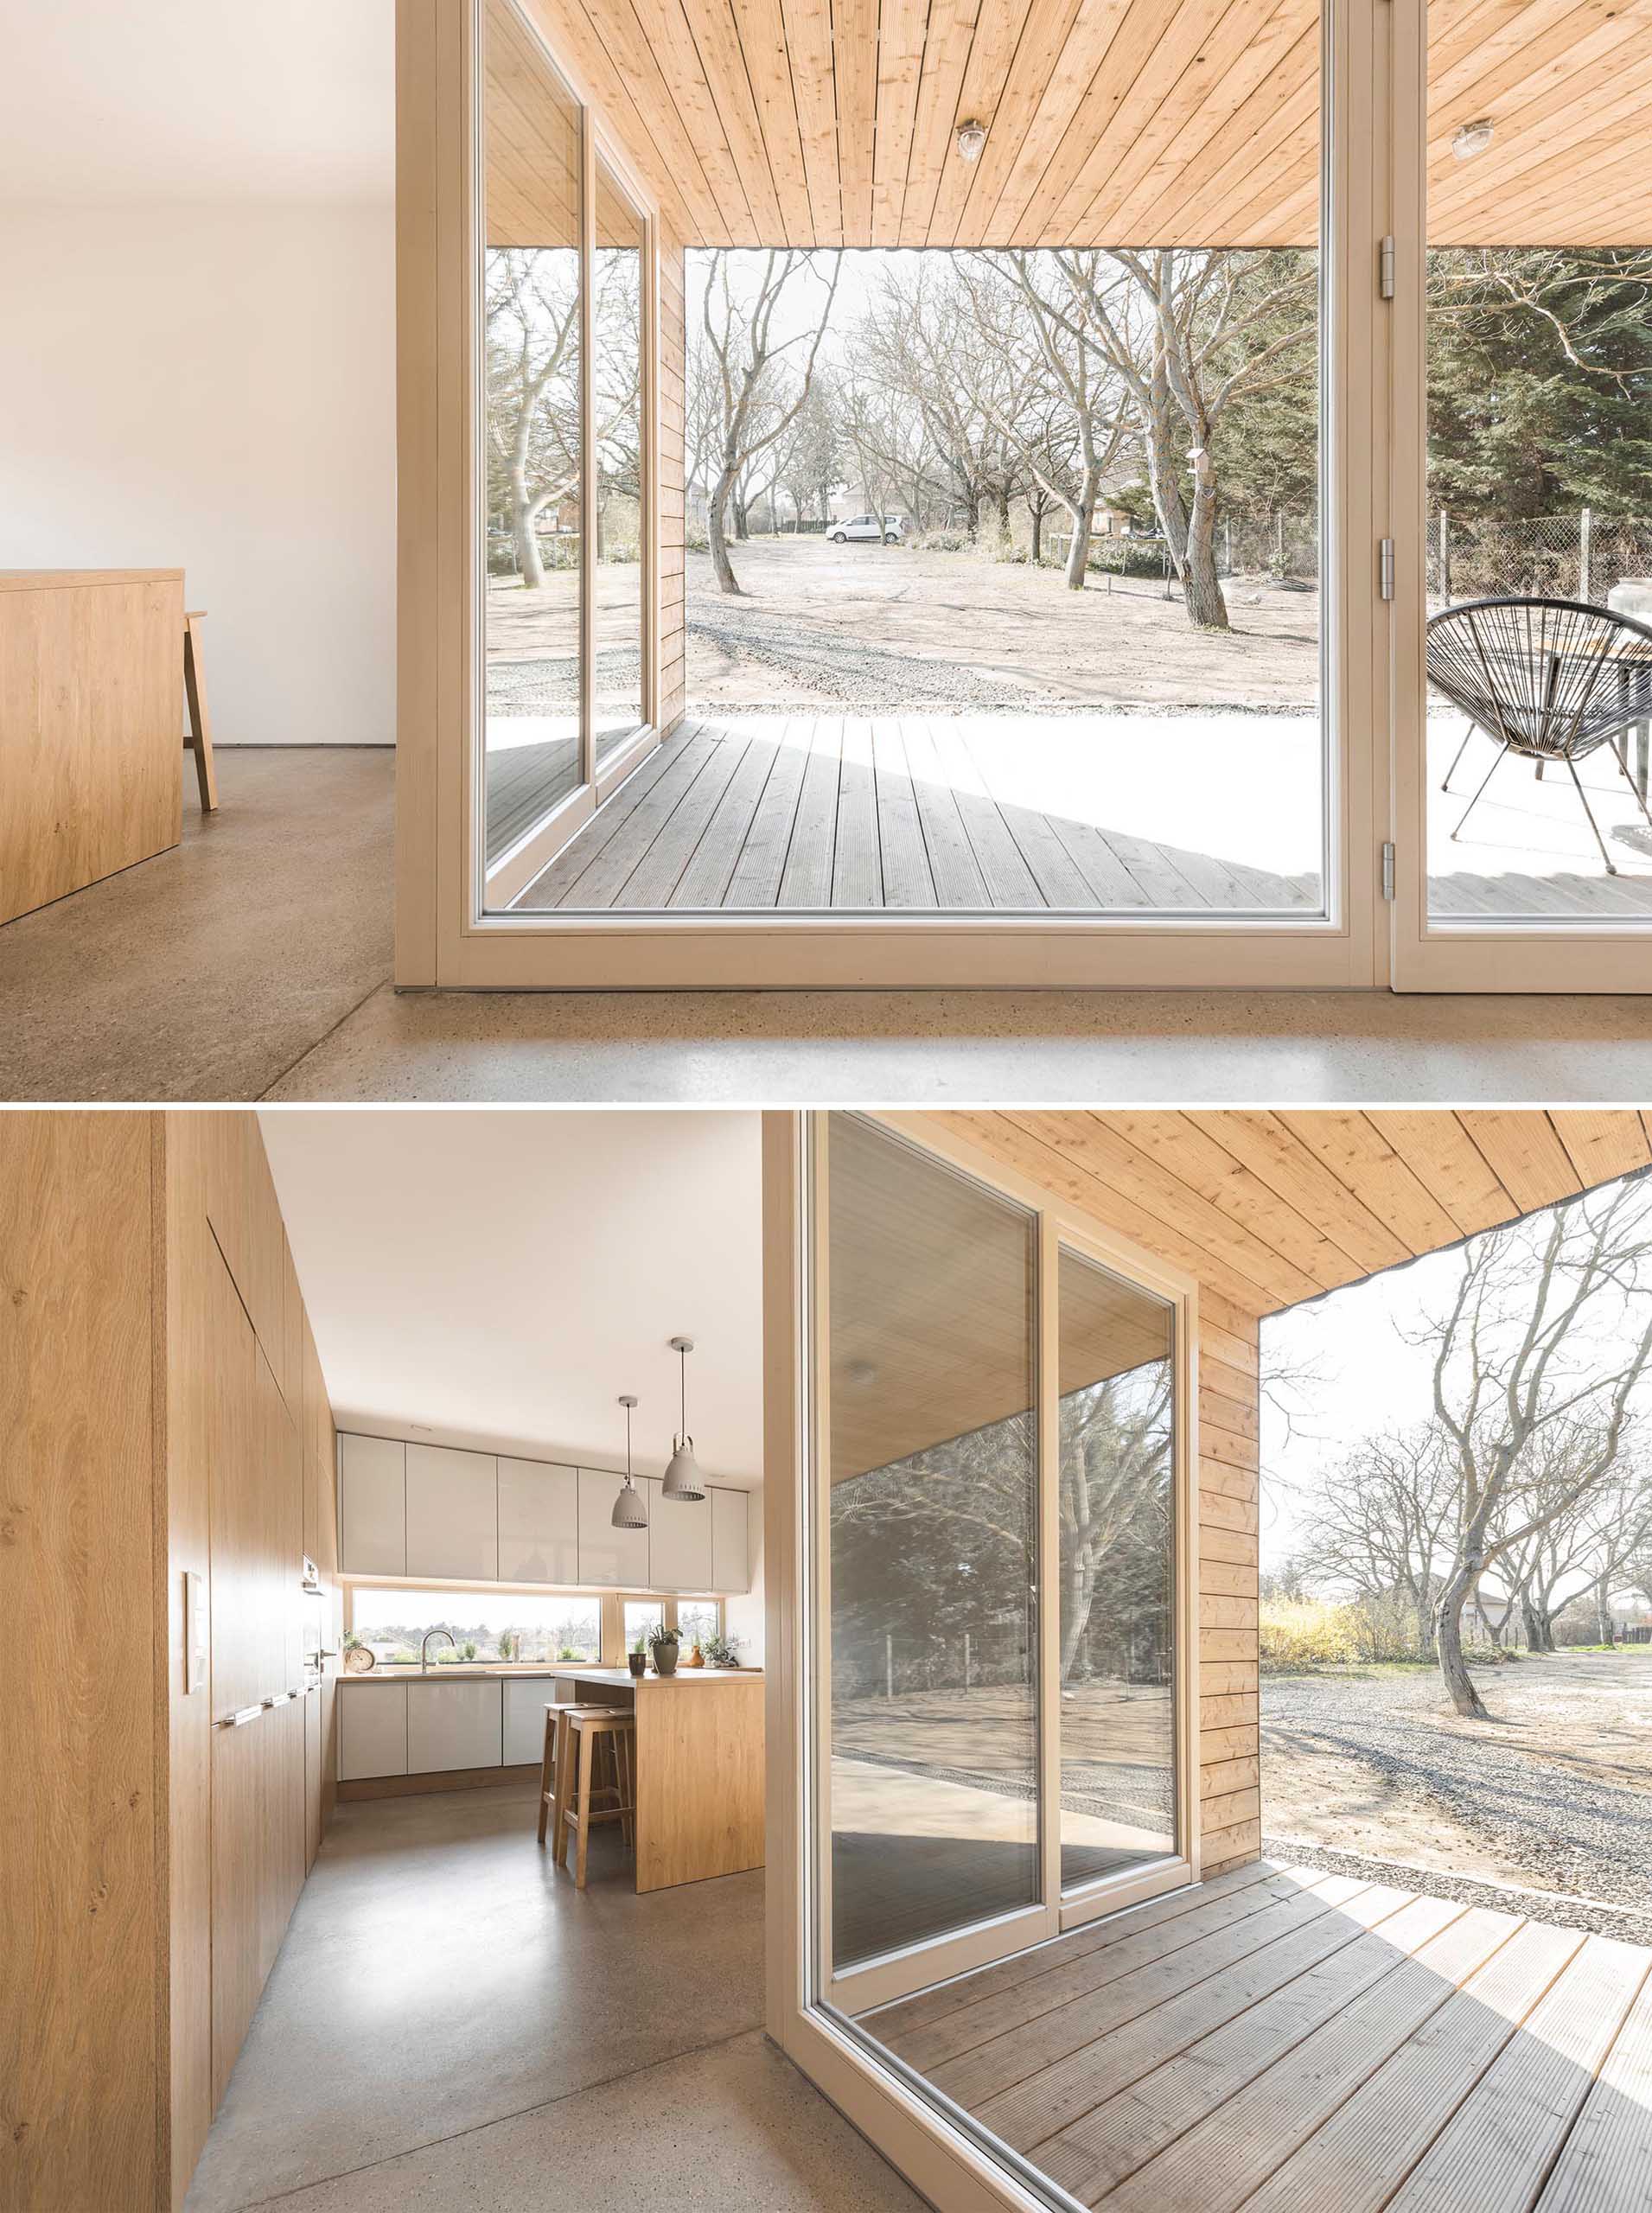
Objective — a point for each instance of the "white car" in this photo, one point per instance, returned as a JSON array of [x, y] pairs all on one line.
[[864, 527]]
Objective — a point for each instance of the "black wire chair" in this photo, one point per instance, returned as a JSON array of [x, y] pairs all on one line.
[[1550, 680]]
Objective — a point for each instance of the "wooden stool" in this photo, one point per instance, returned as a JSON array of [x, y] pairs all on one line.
[[200, 740], [549, 1760], [594, 1729]]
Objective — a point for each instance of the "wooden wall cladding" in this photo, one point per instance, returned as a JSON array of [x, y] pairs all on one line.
[[83, 1858], [250, 1485]]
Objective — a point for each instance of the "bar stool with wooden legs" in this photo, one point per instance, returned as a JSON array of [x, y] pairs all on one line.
[[550, 1759], [599, 1766], [200, 740]]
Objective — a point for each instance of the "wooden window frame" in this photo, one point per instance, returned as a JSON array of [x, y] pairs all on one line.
[[944, 2159], [443, 937]]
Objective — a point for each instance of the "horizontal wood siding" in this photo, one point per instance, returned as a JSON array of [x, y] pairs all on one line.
[[1230, 1775]]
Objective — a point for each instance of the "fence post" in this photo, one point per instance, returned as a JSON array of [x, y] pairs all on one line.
[[1444, 555], [888, 1663], [1585, 552], [966, 1659]]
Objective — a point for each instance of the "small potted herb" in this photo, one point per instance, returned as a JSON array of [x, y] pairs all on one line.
[[662, 1643], [722, 1651], [637, 1657]]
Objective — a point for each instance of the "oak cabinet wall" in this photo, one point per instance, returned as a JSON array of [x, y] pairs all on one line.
[[452, 1516]]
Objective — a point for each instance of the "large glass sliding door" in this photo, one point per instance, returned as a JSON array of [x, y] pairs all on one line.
[[1528, 767], [564, 464], [932, 1537], [998, 1528]]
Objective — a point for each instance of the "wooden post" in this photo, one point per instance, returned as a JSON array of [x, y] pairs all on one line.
[[889, 1664], [1585, 552], [1444, 555]]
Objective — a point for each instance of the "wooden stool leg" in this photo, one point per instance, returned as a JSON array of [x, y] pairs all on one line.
[[628, 1787], [548, 1770], [201, 736], [559, 1825], [585, 1811]]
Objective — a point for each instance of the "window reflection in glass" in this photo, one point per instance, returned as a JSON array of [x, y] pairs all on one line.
[[616, 408], [532, 434], [1118, 1696], [934, 1535]]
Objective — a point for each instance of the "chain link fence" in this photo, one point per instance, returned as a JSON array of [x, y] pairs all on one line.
[[1582, 556]]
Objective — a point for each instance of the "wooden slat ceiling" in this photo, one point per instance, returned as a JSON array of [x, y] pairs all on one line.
[[1109, 121], [1269, 1209]]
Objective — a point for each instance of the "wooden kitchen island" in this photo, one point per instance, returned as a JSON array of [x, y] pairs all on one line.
[[91, 726], [699, 1767]]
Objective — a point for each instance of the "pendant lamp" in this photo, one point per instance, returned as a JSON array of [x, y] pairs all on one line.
[[630, 1507], [683, 1476]]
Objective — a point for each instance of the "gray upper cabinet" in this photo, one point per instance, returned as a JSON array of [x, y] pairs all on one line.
[[680, 1553], [616, 1559], [373, 1506], [731, 1540], [538, 1523], [452, 1513]]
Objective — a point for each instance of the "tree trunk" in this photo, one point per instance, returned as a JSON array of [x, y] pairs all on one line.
[[1539, 1637], [1604, 1611], [742, 520], [1202, 586], [1083, 514], [1454, 1669], [1037, 514], [722, 567], [1163, 467], [527, 538]]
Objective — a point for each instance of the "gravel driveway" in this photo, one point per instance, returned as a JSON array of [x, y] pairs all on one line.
[[1554, 1794]]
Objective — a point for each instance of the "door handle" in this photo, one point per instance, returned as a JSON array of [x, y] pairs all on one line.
[[240, 1718]]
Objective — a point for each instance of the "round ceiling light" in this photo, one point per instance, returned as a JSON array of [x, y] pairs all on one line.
[[1471, 138], [971, 137]]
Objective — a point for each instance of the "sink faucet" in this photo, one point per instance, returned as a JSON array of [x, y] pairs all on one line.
[[424, 1647]]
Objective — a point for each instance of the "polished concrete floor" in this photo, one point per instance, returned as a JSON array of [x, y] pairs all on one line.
[[450, 2024], [254, 961], [205, 973], [987, 1048]]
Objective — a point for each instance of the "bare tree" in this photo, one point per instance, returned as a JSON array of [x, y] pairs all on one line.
[[743, 353], [1551, 1322], [1382, 1521], [1095, 414], [1192, 333], [531, 322]]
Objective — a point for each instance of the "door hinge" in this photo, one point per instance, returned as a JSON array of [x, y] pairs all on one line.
[[1387, 870], [1385, 567], [1385, 269]]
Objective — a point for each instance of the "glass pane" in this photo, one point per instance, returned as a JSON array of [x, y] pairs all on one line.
[[641, 1616], [1539, 497], [697, 1618], [531, 373], [616, 403], [1118, 1600], [486, 1625], [933, 1537]]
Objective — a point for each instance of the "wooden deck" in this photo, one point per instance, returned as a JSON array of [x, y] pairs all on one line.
[[835, 811], [524, 784], [1296, 2043], [898, 812]]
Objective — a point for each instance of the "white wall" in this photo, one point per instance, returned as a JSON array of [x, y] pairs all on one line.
[[210, 384], [744, 1613]]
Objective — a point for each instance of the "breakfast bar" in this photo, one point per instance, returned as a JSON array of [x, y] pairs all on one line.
[[699, 1767], [91, 725]]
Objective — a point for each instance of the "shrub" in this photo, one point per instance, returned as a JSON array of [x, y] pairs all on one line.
[[1307, 1633], [945, 540]]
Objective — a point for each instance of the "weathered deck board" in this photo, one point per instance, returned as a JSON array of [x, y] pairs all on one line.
[[1296, 2044], [899, 813]]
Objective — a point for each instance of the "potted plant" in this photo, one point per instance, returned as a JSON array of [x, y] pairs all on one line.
[[637, 1657], [662, 1643], [722, 1651]]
